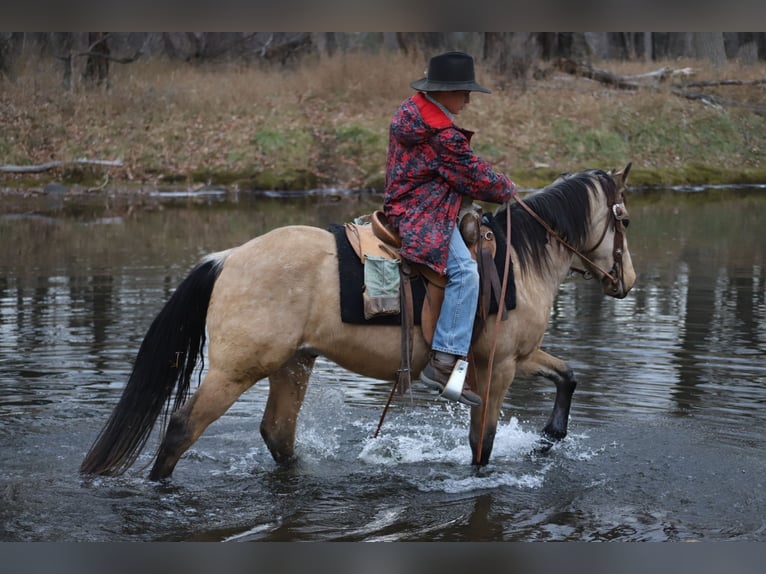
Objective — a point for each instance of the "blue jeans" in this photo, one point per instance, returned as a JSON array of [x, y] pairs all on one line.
[[461, 296]]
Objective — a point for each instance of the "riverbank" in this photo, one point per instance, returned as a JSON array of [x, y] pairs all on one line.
[[324, 125]]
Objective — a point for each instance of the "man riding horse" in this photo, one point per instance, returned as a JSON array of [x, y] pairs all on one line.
[[431, 171]]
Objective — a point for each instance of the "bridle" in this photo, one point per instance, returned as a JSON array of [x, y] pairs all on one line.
[[619, 220]]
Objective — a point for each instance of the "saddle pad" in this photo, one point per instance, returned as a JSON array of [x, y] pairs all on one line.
[[351, 275]]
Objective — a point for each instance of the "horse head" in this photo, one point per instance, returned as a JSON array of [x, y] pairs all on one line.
[[610, 252]]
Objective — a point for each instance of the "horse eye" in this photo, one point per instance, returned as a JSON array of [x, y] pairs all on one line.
[[626, 222]]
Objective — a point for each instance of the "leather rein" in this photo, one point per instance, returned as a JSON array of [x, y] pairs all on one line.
[[619, 214]]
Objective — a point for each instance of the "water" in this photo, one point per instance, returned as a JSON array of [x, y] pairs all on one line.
[[666, 427]]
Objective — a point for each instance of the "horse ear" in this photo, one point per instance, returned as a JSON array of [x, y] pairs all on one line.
[[621, 177]]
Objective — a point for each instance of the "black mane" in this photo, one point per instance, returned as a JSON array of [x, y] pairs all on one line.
[[564, 205]]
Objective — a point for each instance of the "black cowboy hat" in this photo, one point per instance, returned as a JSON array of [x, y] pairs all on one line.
[[449, 72]]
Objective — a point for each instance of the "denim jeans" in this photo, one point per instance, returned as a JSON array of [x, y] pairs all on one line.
[[461, 296]]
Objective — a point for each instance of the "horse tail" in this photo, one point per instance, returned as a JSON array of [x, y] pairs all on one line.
[[165, 361]]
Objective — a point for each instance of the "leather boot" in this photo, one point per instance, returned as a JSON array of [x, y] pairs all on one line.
[[436, 374]]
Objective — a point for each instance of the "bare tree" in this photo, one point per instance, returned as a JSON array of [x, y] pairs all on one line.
[[86, 57], [648, 46], [97, 60], [511, 54], [5, 56], [709, 46], [742, 46], [572, 45], [391, 41], [428, 43], [330, 43]]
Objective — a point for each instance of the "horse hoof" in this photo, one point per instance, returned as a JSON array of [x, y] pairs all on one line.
[[544, 445]]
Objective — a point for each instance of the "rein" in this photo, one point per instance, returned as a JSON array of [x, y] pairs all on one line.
[[618, 212], [485, 399]]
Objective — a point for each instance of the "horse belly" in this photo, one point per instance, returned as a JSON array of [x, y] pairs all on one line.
[[371, 351]]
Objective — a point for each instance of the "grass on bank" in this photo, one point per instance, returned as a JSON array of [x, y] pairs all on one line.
[[325, 124]]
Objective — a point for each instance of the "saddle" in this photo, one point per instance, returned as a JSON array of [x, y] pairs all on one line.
[[373, 236]]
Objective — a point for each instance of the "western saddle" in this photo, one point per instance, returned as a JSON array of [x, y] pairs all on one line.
[[373, 235]]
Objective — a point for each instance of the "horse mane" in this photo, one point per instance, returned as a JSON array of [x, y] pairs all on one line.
[[564, 205]]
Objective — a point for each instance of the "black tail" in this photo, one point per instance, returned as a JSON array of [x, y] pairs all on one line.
[[165, 361]]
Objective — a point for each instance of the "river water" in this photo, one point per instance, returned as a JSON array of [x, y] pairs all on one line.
[[667, 424]]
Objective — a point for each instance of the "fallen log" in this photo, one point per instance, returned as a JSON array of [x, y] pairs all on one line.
[[54, 164], [718, 101], [603, 76], [625, 82], [710, 83], [678, 89]]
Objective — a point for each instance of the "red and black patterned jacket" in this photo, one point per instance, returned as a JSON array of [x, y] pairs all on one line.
[[430, 166]]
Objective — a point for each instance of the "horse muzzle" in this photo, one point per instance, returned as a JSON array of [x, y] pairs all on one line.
[[618, 282], [614, 289]]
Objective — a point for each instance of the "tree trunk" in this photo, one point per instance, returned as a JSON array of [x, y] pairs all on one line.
[[510, 54], [746, 46], [68, 46], [391, 41], [680, 45], [570, 45], [709, 46], [326, 43], [426, 43], [330, 43], [5, 54], [97, 60], [648, 47]]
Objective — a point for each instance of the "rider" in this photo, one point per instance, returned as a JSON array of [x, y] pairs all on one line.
[[430, 170]]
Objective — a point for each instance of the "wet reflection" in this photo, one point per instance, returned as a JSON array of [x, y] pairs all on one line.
[[80, 282], [690, 337]]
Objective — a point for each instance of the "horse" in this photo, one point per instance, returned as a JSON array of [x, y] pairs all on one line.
[[269, 307]]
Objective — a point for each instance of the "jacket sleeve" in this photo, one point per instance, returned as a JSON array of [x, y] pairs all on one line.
[[465, 171]]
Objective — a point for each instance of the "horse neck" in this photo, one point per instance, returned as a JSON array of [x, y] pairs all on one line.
[[547, 279], [560, 262], [561, 258]]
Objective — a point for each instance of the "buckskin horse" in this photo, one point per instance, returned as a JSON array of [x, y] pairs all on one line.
[[271, 306]]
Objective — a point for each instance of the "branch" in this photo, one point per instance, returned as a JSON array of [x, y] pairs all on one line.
[[588, 71], [54, 164], [662, 74], [720, 83], [125, 60], [99, 40], [718, 101], [623, 82], [628, 83]]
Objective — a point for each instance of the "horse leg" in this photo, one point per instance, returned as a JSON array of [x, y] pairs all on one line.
[[213, 398], [542, 364], [287, 388], [484, 425]]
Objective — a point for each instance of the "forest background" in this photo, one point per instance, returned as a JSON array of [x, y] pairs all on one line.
[[296, 111]]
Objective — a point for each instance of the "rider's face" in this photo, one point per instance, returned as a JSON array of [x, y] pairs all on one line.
[[453, 101]]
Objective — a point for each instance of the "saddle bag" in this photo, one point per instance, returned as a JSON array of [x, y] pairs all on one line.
[[380, 296]]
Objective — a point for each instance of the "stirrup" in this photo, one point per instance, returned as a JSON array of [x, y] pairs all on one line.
[[453, 390]]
